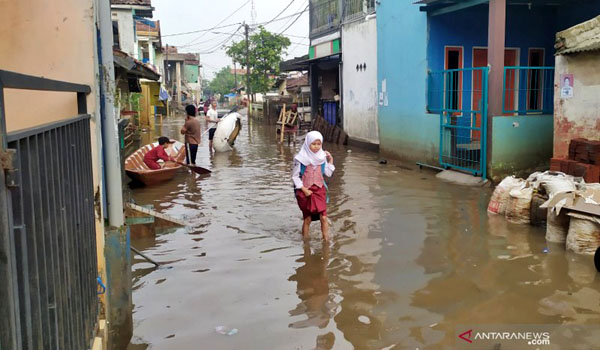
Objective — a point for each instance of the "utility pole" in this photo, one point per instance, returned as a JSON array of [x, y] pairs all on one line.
[[235, 76], [248, 90]]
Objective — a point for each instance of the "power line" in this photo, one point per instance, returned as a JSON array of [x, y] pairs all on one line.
[[280, 19], [224, 19], [231, 25], [294, 48], [206, 41], [297, 11], [220, 45], [296, 36], [282, 11], [297, 18], [201, 30]]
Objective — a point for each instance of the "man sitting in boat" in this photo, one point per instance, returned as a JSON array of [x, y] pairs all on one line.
[[159, 152]]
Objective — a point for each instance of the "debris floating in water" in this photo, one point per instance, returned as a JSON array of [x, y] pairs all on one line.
[[545, 251], [225, 330], [364, 319], [383, 161]]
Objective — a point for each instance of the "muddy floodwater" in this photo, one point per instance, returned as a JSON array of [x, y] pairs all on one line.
[[411, 259]]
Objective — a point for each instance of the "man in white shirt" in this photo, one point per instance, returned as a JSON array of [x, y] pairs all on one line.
[[212, 118]]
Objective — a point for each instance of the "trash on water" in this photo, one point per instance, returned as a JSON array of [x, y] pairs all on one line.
[[225, 330], [349, 151], [545, 250], [364, 319], [383, 161]]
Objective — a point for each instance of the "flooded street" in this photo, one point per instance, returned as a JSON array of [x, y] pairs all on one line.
[[411, 258]]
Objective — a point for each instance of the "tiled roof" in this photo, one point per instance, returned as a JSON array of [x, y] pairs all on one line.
[[582, 37], [295, 83], [131, 2]]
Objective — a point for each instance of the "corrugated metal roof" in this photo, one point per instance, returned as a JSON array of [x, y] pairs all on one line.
[[582, 37], [132, 2]]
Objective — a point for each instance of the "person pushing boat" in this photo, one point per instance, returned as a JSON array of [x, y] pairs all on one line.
[[191, 130], [159, 152]]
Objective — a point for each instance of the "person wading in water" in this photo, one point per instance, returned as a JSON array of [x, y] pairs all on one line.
[[311, 165]]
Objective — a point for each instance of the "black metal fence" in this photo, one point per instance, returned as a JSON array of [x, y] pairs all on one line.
[[48, 266]]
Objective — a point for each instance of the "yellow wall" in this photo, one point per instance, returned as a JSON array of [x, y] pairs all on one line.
[[52, 39]]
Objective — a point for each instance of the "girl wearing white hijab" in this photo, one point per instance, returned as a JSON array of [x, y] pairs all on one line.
[[311, 164]]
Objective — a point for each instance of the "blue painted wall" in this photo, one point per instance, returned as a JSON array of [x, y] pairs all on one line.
[[405, 129], [521, 145], [409, 44], [570, 15], [525, 29]]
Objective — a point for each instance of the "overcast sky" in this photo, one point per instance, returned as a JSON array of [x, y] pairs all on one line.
[[179, 16]]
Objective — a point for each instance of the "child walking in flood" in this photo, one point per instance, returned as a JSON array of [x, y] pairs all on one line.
[[311, 165]]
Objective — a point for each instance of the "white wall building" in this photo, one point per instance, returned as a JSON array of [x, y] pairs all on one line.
[[359, 79]]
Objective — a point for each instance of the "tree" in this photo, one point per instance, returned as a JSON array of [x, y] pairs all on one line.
[[223, 82], [264, 56]]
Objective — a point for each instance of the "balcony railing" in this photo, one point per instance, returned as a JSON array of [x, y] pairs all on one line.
[[325, 15], [528, 90], [358, 9]]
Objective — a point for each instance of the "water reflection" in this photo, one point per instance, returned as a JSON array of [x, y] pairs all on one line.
[[312, 287], [411, 258]]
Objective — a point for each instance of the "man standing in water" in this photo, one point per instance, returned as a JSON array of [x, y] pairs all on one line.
[[212, 117], [191, 130]]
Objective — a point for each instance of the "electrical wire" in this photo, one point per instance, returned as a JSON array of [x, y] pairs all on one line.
[[230, 25], [297, 18], [223, 20], [297, 11], [201, 30], [220, 45], [282, 11]]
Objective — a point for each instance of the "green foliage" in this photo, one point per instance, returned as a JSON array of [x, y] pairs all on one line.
[[265, 54], [223, 82]]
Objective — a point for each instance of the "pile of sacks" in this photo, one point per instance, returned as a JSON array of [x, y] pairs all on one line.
[[568, 207]]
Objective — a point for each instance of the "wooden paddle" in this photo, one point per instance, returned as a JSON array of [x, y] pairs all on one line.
[[197, 169]]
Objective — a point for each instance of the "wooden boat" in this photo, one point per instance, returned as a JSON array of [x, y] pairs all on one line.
[[137, 170]]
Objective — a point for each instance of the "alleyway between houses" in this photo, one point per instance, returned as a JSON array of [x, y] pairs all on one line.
[[411, 259]]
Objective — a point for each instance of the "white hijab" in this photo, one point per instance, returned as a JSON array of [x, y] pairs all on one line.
[[306, 156]]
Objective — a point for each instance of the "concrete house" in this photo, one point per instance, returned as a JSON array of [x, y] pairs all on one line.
[[576, 108], [60, 178], [343, 66], [469, 85]]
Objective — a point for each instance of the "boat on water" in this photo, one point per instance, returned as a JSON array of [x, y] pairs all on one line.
[[137, 170], [227, 131]]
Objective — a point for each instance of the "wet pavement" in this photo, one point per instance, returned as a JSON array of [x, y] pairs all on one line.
[[411, 259]]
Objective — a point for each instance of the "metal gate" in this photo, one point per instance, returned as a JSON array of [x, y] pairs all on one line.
[[48, 266], [461, 98]]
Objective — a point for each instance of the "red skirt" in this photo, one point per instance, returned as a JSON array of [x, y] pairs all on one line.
[[314, 204]]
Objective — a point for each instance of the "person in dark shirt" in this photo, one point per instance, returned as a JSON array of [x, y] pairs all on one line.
[[191, 130], [159, 152]]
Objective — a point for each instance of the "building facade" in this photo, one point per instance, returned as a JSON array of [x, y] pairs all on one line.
[[576, 108], [470, 86]]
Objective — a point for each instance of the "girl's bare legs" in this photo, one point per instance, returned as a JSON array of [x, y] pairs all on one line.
[[324, 227], [306, 227]]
